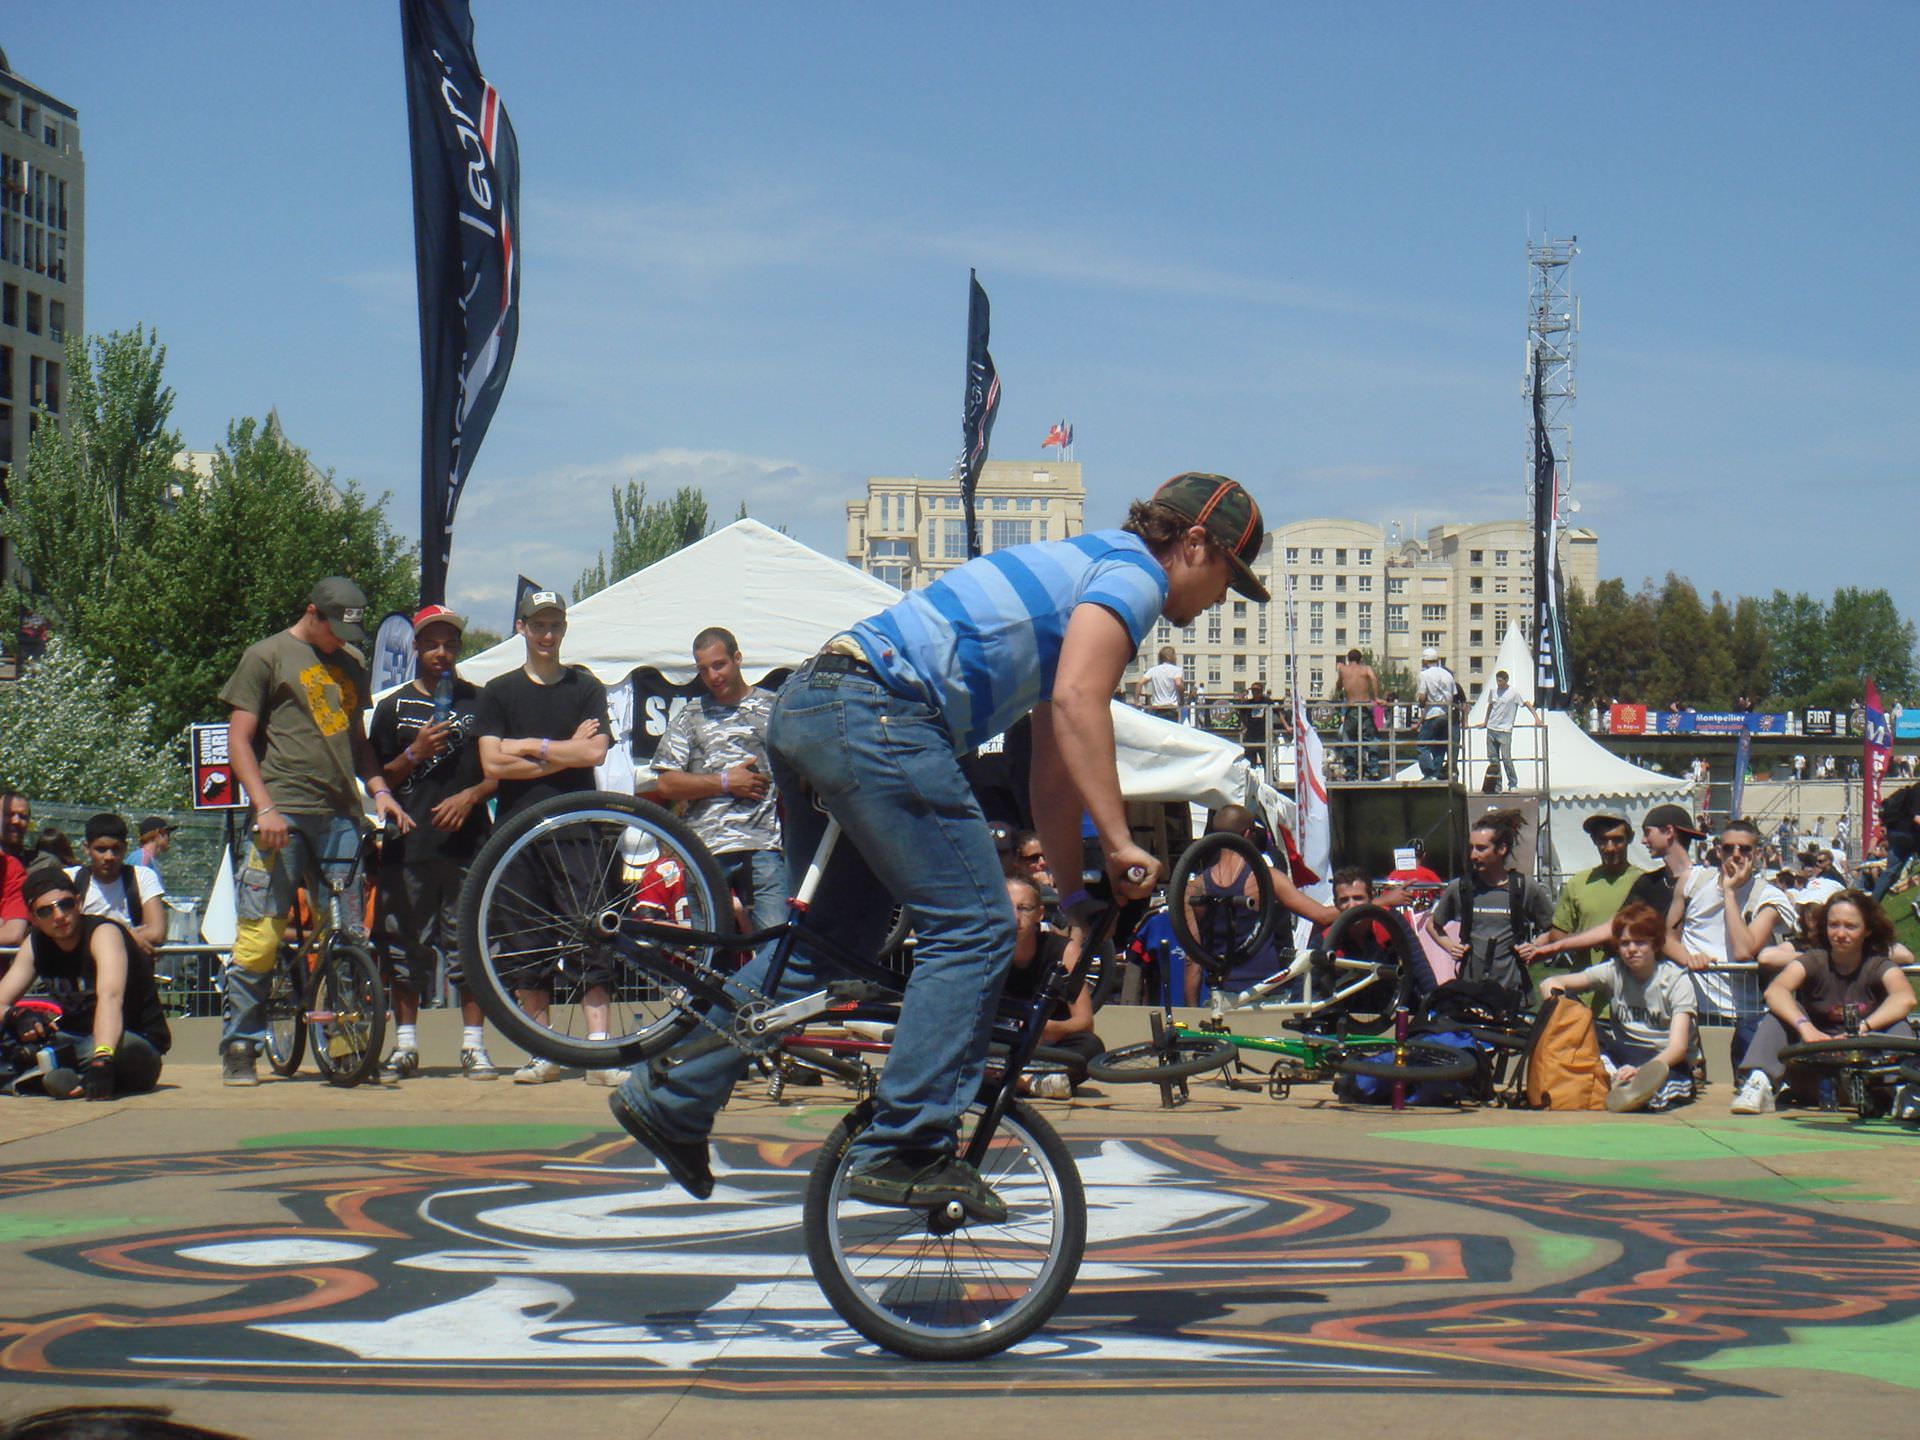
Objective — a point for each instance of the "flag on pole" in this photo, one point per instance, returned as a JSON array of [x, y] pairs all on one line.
[[1312, 818], [1055, 436], [982, 404], [1879, 753], [1550, 678], [1742, 758], [524, 588], [466, 221]]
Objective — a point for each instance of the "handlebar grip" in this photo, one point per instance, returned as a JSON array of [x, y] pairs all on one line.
[[1136, 873]]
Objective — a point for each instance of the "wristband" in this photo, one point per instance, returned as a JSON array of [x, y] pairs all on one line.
[[412, 759], [726, 783], [103, 1052], [265, 810], [1078, 897], [543, 750]]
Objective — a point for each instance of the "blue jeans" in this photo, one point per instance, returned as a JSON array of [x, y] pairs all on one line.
[[884, 767], [1901, 848], [759, 878], [1433, 747], [1500, 752]]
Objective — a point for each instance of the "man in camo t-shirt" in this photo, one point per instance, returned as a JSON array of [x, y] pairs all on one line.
[[714, 757]]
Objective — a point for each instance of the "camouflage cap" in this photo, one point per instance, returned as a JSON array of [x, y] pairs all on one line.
[[1230, 517]]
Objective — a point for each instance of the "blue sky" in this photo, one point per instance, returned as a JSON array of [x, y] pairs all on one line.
[[1283, 243]]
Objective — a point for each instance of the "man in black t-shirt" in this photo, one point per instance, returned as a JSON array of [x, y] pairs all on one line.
[[1071, 1025], [424, 735], [542, 729], [103, 982]]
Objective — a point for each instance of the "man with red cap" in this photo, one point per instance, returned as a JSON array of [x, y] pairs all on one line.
[[424, 736]]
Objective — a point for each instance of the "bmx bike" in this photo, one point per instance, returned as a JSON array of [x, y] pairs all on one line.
[[326, 994], [1864, 1068], [608, 898]]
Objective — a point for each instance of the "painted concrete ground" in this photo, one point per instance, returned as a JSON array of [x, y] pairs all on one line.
[[485, 1259]]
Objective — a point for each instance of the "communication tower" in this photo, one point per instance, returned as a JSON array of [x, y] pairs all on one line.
[[1553, 343]]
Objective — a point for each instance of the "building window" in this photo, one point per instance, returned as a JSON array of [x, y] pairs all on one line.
[[1477, 638], [1316, 635], [1431, 637], [1239, 664], [1262, 629], [1186, 634], [1240, 637], [1339, 609], [1293, 554], [1476, 557], [1396, 619], [1316, 581], [1239, 609], [1316, 556], [1315, 680], [1340, 582], [954, 540], [1340, 556], [1364, 584], [1022, 503], [1366, 633], [1476, 585], [1433, 612], [1316, 610], [1473, 610], [1500, 585], [1213, 673], [1396, 585], [1363, 557], [10, 305], [1213, 626], [1500, 622], [34, 326], [1501, 558], [1007, 533], [1339, 637], [1476, 664]]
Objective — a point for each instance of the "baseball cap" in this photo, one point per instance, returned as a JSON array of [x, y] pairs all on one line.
[[344, 605], [538, 600], [155, 825], [1230, 517], [437, 615], [1430, 653], [1594, 824], [1673, 816]]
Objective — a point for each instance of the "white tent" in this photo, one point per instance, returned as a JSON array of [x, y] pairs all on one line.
[[1582, 777], [783, 601]]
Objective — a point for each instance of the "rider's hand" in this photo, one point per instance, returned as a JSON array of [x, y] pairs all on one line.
[[270, 832], [451, 813], [588, 728], [1697, 961], [384, 804], [1129, 857], [1453, 947], [745, 782], [431, 740], [97, 1079]]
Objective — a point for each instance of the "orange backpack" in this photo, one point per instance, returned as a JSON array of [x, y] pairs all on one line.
[[1563, 1059]]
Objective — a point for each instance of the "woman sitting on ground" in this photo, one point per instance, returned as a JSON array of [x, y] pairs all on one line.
[[1649, 1028], [1847, 980]]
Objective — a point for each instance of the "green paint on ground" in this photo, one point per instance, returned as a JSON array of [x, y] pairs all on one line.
[[1560, 1252], [18, 1228], [470, 1139], [1878, 1352], [1646, 1140], [1758, 1189]]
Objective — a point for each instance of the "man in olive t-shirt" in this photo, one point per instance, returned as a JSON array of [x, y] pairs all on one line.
[[1593, 897], [298, 744]]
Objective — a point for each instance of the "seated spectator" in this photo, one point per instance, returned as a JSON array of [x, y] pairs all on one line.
[[108, 885], [1071, 1027], [1848, 980], [1648, 1031], [104, 985], [1220, 903], [1031, 860], [1818, 883], [54, 848]]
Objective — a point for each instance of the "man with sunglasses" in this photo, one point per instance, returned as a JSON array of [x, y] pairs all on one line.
[[1726, 912], [103, 982]]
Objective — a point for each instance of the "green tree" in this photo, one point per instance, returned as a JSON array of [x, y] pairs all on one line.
[[1613, 643], [1865, 636], [69, 731], [474, 640], [1752, 651], [645, 531], [1797, 628], [1694, 661]]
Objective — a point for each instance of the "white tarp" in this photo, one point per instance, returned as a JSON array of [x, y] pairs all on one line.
[[1583, 777], [783, 601]]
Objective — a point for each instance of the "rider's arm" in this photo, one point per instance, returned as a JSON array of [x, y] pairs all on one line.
[[1291, 896], [242, 726], [1898, 1004], [1784, 1001], [19, 976], [109, 985]]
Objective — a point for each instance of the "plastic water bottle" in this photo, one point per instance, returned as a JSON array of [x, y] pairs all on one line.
[[443, 699]]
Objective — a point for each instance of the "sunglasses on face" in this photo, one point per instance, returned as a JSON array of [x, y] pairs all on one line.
[[1726, 849], [1033, 859], [55, 907]]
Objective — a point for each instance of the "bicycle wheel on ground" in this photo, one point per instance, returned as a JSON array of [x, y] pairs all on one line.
[[286, 1010], [346, 1012], [921, 1286], [1414, 1061], [567, 907], [1174, 1057], [1847, 1051]]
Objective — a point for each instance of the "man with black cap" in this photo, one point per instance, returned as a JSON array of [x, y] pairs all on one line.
[[542, 728], [426, 735], [103, 983], [1668, 833], [298, 743], [869, 732]]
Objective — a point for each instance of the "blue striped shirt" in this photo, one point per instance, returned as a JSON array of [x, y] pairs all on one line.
[[981, 643]]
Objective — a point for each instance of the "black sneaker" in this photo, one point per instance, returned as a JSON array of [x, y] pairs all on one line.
[[923, 1182], [237, 1065], [685, 1160], [400, 1065]]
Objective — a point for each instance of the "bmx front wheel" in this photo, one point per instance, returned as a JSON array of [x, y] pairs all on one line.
[[1154, 1061], [347, 1013], [921, 1286], [1414, 1061], [286, 1011]]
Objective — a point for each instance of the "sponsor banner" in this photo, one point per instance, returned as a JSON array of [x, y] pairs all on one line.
[[1818, 723], [1719, 722], [1906, 725], [1627, 719], [214, 785]]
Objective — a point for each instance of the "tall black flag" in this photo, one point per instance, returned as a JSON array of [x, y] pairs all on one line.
[[1550, 679], [982, 404], [466, 243]]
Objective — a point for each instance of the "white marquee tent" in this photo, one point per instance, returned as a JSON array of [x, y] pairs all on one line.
[[1582, 777], [783, 601]]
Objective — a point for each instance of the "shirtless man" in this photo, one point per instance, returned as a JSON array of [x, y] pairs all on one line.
[[1359, 691]]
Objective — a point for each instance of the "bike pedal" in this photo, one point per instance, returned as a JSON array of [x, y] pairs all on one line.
[[857, 992]]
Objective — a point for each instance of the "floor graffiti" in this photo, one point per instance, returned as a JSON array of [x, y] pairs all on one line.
[[421, 1268]]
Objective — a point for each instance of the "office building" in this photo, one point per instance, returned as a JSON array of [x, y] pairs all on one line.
[[42, 241], [910, 531]]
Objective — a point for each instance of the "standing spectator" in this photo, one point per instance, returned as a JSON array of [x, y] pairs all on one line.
[[1900, 817], [1359, 690], [156, 838], [1500, 910], [103, 982], [1503, 708], [108, 885], [1799, 767], [542, 728], [426, 744], [1591, 898], [298, 744], [1162, 688], [1435, 692], [1726, 912], [714, 758], [1253, 723]]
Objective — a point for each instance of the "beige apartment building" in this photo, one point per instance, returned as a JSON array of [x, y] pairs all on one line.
[[1359, 587], [909, 531], [42, 230]]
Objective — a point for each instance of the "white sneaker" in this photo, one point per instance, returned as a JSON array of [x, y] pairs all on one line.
[[476, 1064], [1050, 1086], [608, 1078], [538, 1072], [1756, 1095]]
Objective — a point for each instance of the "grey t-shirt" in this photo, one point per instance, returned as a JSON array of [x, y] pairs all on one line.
[[707, 737], [1643, 1010]]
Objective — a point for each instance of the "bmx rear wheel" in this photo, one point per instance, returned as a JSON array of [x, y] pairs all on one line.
[[286, 1011], [1156, 1061], [1415, 1061], [921, 1286], [347, 1013]]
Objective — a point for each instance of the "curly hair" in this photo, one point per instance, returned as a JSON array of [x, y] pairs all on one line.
[[1879, 937], [1160, 526]]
